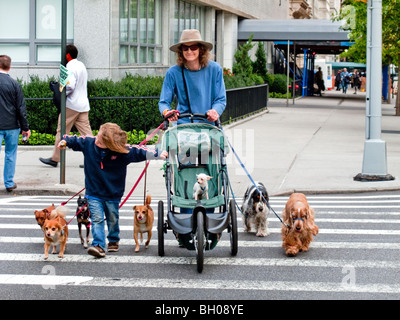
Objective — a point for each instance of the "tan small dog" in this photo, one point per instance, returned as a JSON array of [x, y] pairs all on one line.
[[55, 232], [42, 215], [143, 222], [299, 217]]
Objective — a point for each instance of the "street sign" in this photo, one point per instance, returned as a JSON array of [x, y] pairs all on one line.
[[65, 75]]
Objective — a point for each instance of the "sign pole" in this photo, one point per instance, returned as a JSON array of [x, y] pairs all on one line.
[[374, 163], [63, 93]]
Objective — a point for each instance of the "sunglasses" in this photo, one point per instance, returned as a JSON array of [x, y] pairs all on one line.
[[193, 47]]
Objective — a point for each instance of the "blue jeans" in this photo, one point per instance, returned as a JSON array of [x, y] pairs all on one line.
[[98, 210], [10, 138]]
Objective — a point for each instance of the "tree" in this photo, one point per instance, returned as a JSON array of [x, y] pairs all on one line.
[[356, 19], [260, 65], [243, 64]]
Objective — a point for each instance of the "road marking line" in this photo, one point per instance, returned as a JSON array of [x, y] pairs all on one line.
[[226, 243], [317, 220], [58, 280], [241, 230], [232, 261]]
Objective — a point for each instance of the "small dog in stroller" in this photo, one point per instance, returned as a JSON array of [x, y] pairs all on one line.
[[200, 188]]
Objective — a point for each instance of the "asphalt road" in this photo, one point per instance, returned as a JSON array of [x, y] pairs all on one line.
[[355, 256]]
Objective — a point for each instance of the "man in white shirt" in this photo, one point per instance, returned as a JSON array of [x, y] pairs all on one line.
[[77, 104]]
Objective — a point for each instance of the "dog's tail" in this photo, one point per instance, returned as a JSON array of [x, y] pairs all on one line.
[[60, 211], [148, 200]]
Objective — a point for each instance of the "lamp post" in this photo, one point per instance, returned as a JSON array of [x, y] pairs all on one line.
[[374, 163], [63, 93]]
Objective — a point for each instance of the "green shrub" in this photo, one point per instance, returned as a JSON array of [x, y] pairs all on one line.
[[242, 74], [270, 80], [242, 63], [37, 138], [260, 65], [279, 84], [42, 114], [280, 95], [137, 117], [130, 114]]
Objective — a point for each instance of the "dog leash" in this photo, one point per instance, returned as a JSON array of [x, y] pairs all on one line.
[[252, 181], [160, 127], [65, 202], [134, 187], [76, 214]]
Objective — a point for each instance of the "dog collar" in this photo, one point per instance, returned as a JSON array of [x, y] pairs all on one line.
[[203, 188], [298, 219]]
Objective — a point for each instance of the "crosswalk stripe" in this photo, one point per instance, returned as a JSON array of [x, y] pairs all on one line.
[[36, 206], [347, 215], [30, 213], [225, 243], [232, 261], [55, 280], [273, 219], [271, 230]]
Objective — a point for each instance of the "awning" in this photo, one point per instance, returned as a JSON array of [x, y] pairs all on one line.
[[347, 65], [295, 30], [321, 36]]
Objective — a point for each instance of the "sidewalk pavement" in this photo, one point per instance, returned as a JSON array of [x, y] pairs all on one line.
[[315, 145]]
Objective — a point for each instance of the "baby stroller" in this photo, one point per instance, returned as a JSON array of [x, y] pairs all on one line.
[[195, 148]]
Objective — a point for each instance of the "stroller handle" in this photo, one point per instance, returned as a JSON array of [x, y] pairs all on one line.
[[193, 116]]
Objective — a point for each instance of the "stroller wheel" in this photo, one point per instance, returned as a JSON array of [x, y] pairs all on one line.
[[233, 227], [199, 242], [160, 228]]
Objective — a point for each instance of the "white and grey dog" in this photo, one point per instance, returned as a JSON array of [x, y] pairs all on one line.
[[200, 188], [255, 209]]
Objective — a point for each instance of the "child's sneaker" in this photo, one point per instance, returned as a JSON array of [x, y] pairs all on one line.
[[113, 247], [96, 251]]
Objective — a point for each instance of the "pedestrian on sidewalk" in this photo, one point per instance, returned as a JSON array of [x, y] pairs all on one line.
[[356, 81], [345, 80], [196, 74], [12, 119], [106, 157], [77, 104], [338, 81], [320, 81]]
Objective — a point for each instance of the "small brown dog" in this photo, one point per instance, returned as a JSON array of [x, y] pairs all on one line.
[[42, 215], [143, 222], [300, 229], [55, 232]]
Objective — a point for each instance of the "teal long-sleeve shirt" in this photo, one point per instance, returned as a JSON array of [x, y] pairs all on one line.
[[206, 89]]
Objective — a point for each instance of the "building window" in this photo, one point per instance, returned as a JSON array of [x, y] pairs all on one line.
[[140, 32], [30, 30], [188, 16]]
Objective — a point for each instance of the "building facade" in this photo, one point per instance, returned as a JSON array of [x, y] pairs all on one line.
[[115, 37]]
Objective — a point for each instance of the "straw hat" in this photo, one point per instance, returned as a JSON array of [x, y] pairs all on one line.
[[190, 35]]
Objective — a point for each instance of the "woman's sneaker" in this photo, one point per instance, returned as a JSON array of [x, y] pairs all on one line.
[[113, 247], [96, 251]]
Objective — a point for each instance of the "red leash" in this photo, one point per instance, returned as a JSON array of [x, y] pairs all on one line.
[[64, 203], [147, 164], [134, 187], [137, 182], [76, 213]]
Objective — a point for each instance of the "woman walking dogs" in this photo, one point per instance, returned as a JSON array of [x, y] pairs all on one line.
[[196, 80]]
